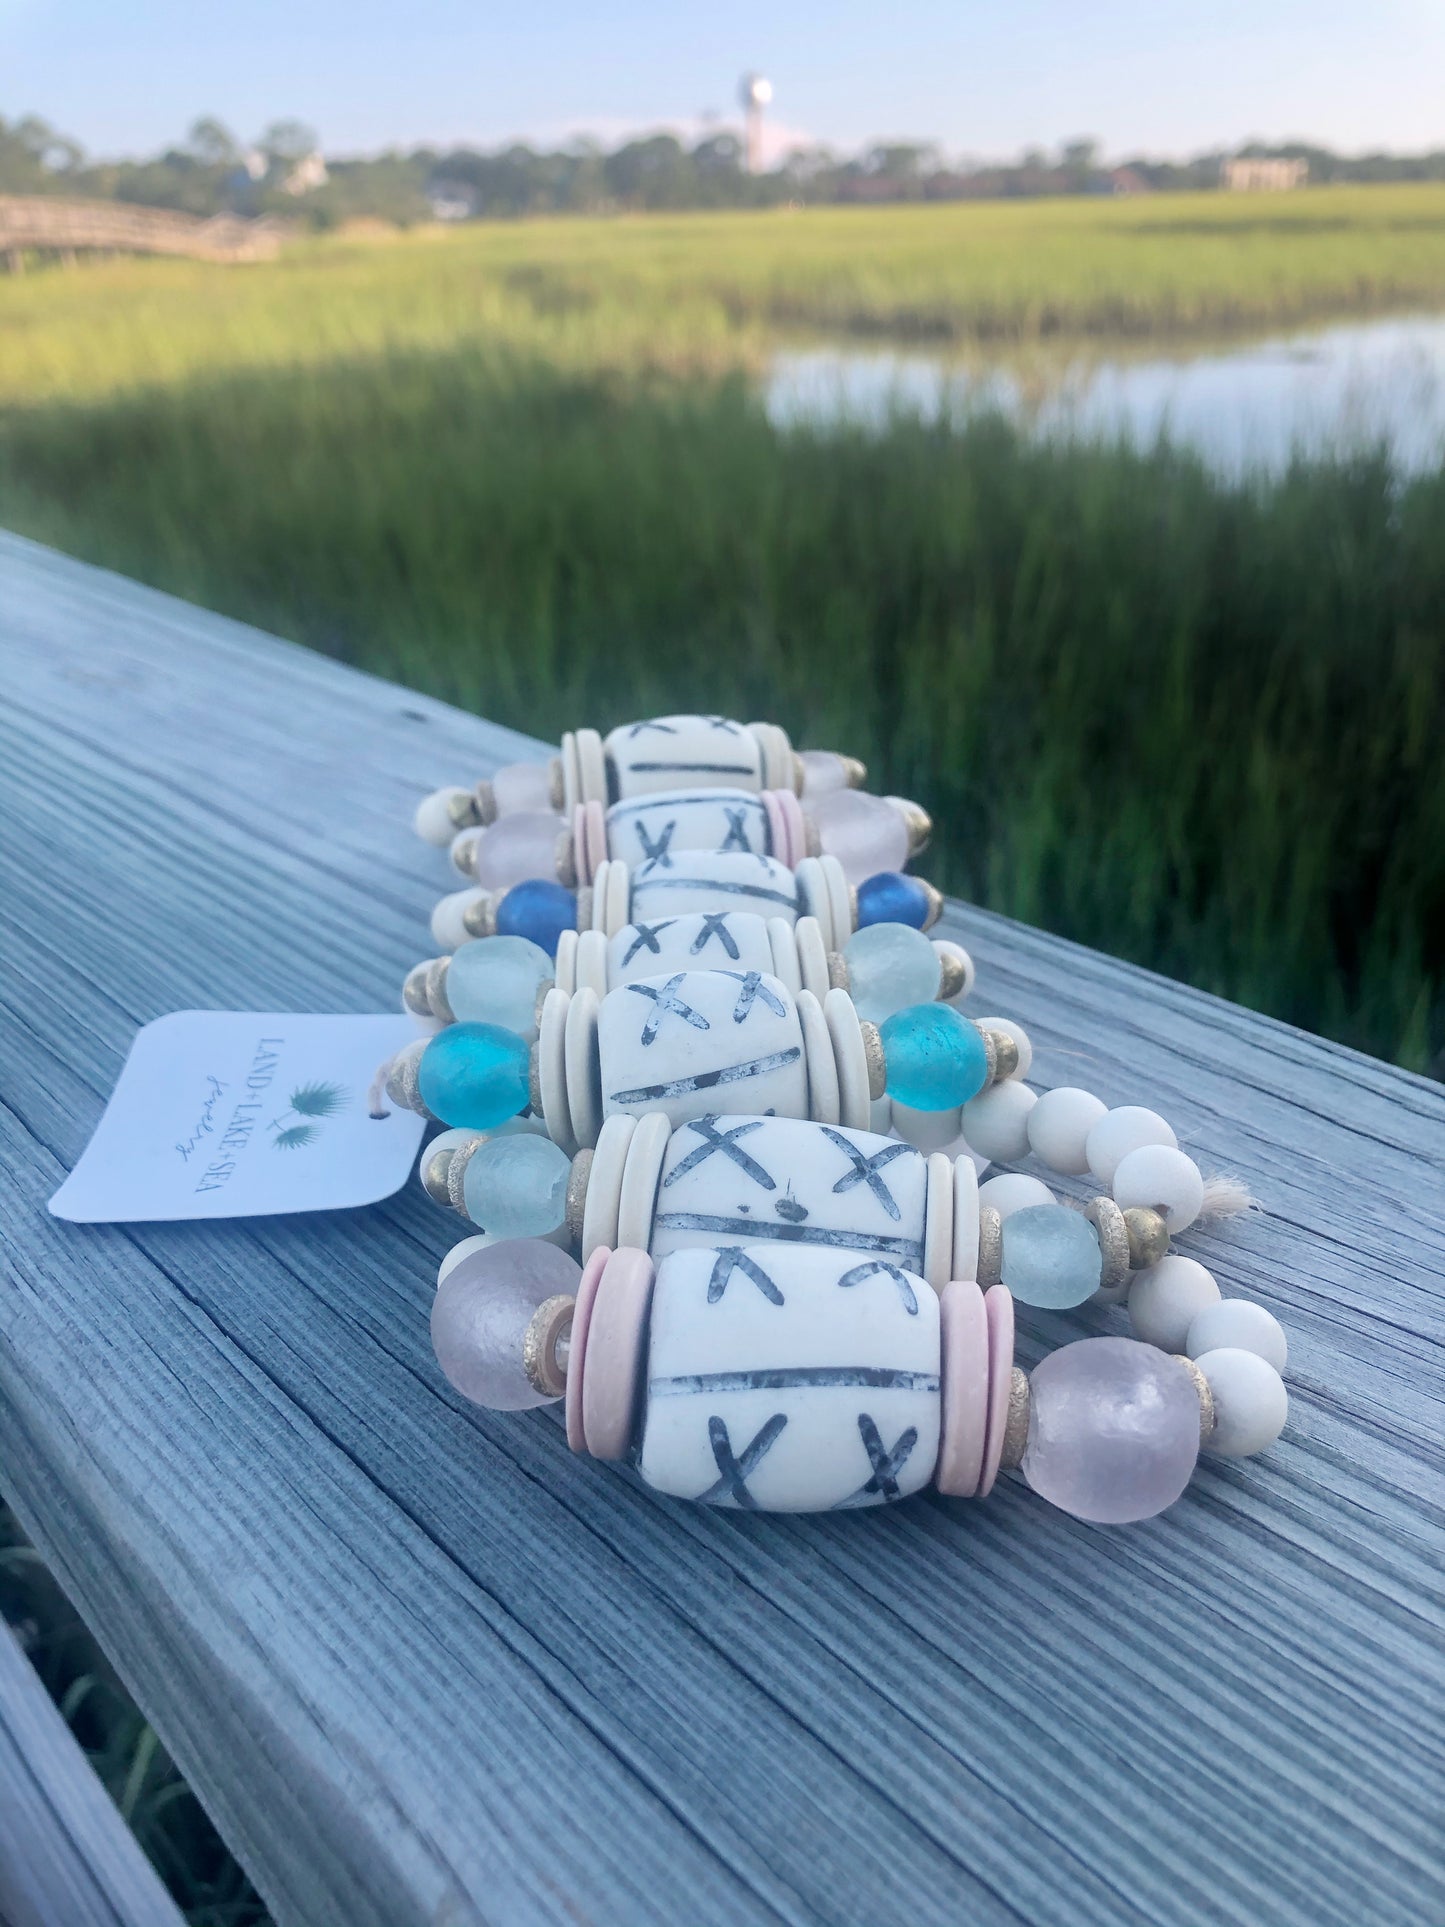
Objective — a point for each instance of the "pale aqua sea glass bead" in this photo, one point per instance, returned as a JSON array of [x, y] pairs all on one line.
[[516, 1186], [935, 1059], [890, 966], [1051, 1256], [495, 980], [1113, 1430], [475, 1075]]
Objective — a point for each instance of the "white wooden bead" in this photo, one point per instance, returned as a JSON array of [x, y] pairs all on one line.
[[699, 1041], [590, 967], [712, 880], [1059, 1126], [733, 1180], [822, 1066], [996, 1122], [812, 957], [604, 1185], [640, 1174], [1237, 1324], [584, 1098], [645, 828], [928, 1130], [785, 953], [938, 1222], [948, 948], [1165, 1300], [568, 942], [1119, 1132], [448, 930], [434, 822], [763, 1349], [855, 1107], [683, 752], [1020, 1037], [1161, 1179], [695, 940], [1251, 1404], [965, 1219], [552, 1069], [1014, 1191]]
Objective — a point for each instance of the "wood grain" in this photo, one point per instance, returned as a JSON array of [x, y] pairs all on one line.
[[67, 1859], [423, 1665]]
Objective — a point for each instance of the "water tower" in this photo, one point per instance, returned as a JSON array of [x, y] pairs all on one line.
[[755, 93]]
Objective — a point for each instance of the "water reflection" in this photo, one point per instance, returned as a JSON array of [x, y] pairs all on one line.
[[1246, 406]]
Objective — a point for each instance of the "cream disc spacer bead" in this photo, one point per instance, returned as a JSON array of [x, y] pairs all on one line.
[[641, 1175], [1120, 1131], [590, 969], [840, 903], [938, 1221], [591, 768], [552, 1067], [616, 899], [812, 956], [584, 1078], [823, 1093], [965, 1219], [1160, 1178], [604, 1184], [549, 1324], [785, 954], [565, 969], [814, 901], [1059, 1126], [855, 1106]]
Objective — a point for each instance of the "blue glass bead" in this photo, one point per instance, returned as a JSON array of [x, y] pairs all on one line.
[[475, 1075], [891, 897], [1050, 1256], [495, 980], [890, 965], [516, 1186], [935, 1058], [537, 910]]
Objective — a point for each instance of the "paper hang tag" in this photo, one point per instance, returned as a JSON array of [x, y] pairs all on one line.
[[230, 1114]]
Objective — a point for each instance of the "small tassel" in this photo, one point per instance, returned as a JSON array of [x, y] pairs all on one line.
[[1226, 1197]]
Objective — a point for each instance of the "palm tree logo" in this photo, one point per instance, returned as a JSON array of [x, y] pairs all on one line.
[[315, 1102]]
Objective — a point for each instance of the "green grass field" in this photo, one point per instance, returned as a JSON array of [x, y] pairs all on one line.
[[1190, 722]]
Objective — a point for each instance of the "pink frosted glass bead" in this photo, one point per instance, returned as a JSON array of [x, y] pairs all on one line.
[[864, 833], [1113, 1430], [518, 847], [824, 771], [522, 786], [481, 1312]]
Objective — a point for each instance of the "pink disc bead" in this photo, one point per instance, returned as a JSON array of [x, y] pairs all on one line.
[[999, 1305], [518, 847], [522, 786], [795, 827], [577, 1348], [616, 1346], [865, 833], [964, 1325]]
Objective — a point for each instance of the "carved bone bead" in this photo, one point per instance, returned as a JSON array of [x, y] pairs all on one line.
[[683, 752]]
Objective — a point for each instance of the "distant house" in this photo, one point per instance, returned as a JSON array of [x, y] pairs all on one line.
[[308, 173], [452, 200], [1127, 180], [1256, 175]]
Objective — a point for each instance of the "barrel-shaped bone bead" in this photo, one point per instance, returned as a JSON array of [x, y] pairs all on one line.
[[646, 829], [693, 940], [683, 752], [790, 1381], [691, 1042], [712, 880]]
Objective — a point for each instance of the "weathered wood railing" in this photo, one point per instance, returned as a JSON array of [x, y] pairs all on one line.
[[421, 1664], [40, 223]]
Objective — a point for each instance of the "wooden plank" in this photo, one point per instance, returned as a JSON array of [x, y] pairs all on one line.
[[66, 1856], [419, 1662]]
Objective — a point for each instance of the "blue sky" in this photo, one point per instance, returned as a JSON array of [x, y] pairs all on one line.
[[1164, 77]]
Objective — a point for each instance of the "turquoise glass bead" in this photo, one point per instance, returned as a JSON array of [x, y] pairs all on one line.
[[516, 1186], [1051, 1256], [935, 1058], [890, 966], [495, 980], [537, 910], [892, 897], [475, 1075]]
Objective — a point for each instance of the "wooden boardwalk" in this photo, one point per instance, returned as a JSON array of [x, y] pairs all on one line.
[[47, 224], [422, 1665]]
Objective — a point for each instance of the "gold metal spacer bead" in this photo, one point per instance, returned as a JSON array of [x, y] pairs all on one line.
[[855, 773], [436, 989], [920, 823], [800, 774], [486, 800], [1108, 1220], [457, 1174], [549, 1324], [479, 919], [1148, 1237], [403, 1080], [935, 903], [565, 860], [1206, 1396], [577, 1181], [584, 906], [462, 809], [874, 1058], [464, 854], [990, 1246], [413, 991], [951, 976], [556, 788], [1004, 1053], [1016, 1427], [434, 1168], [839, 975]]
